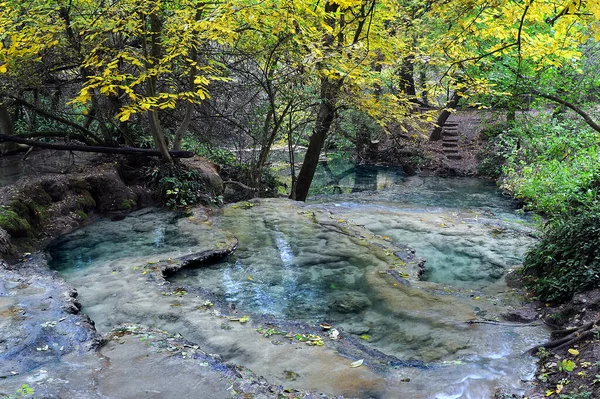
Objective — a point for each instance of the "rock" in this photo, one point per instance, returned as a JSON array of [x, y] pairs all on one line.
[[356, 329], [209, 172], [347, 302], [236, 192], [41, 321], [4, 242], [514, 279], [524, 315], [110, 193]]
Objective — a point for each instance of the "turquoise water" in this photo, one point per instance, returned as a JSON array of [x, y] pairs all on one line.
[[147, 232]]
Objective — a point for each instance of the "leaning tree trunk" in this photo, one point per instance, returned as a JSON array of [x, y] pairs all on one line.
[[155, 127], [436, 134], [329, 91]]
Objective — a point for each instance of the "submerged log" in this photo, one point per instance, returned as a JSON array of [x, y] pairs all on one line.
[[97, 149]]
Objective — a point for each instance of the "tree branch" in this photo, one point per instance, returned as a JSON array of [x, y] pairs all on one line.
[[57, 118], [586, 117], [98, 149]]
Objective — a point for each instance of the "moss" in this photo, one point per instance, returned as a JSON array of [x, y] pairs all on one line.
[[81, 215], [85, 200], [13, 223], [79, 184], [127, 204], [38, 195]]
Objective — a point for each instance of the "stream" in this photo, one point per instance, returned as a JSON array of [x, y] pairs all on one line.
[[341, 259]]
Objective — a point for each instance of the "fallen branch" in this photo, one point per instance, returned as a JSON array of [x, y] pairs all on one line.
[[242, 185], [97, 149], [500, 323]]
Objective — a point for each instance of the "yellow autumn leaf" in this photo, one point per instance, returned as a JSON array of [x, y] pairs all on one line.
[[573, 352], [3, 68], [125, 116]]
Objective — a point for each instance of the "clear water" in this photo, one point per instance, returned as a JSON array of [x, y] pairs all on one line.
[[148, 232], [305, 262]]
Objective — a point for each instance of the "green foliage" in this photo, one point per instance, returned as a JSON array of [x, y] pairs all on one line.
[[501, 143], [179, 187], [12, 222], [23, 391], [220, 156], [567, 260], [554, 166], [566, 365]]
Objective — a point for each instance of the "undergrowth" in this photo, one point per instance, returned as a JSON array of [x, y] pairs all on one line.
[[552, 166]]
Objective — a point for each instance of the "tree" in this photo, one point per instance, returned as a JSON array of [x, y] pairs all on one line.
[[357, 38]]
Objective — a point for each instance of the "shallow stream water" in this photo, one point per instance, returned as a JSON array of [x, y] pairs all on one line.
[[329, 261]]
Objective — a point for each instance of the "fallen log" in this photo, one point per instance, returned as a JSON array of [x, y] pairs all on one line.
[[97, 149]]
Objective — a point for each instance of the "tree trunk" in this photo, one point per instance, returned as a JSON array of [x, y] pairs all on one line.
[[6, 125], [329, 91], [155, 127], [407, 76], [436, 134], [189, 108]]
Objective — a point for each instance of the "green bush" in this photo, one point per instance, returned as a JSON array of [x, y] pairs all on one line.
[[567, 260], [179, 187], [554, 167], [502, 143]]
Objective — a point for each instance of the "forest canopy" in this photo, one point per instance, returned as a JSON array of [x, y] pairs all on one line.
[[248, 73]]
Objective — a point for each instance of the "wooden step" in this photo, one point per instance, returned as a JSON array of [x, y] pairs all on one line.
[[451, 124], [450, 151], [453, 156], [446, 133], [449, 144]]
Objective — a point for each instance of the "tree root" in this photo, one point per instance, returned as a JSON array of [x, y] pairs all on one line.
[[573, 336]]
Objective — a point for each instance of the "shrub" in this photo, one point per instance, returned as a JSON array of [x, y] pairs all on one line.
[[179, 187], [567, 260]]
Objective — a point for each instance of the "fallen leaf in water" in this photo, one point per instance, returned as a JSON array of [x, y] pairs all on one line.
[[245, 319], [357, 363]]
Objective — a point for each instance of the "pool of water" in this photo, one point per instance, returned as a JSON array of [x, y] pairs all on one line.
[[148, 232], [328, 260]]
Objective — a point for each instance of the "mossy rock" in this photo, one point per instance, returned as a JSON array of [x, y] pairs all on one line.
[[13, 223], [81, 215], [37, 194], [79, 184], [127, 204], [85, 201]]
